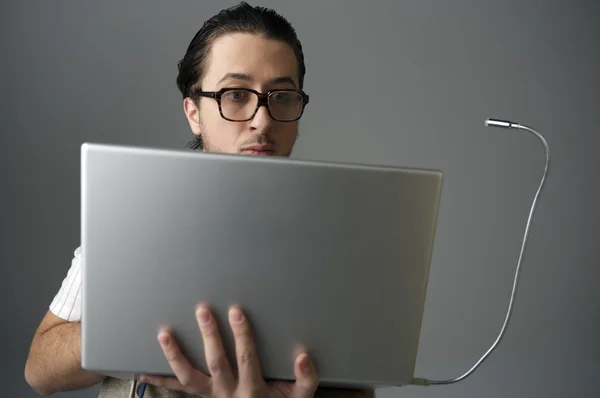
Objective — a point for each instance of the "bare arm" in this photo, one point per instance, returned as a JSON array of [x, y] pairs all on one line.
[[54, 361]]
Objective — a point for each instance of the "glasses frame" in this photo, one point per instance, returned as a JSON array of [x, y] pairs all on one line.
[[263, 100]]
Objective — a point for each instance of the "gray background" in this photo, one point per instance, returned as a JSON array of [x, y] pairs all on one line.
[[403, 83]]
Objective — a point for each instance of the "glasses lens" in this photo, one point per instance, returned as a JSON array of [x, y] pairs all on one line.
[[238, 104], [285, 105]]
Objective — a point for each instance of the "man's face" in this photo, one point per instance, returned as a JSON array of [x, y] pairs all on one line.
[[250, 61]]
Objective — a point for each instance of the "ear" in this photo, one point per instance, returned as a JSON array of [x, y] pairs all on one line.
[[192, 114]]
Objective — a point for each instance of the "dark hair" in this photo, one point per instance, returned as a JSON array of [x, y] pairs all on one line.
[[242, 18]]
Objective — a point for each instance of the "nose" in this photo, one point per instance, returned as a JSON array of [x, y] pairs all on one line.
[[261, 120]]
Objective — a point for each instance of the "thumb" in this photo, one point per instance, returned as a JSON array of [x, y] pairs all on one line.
[[307, 379]]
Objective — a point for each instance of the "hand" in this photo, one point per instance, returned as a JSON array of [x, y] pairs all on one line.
[[221, 383]]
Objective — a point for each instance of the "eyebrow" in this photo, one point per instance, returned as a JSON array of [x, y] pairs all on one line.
[[247, 78]]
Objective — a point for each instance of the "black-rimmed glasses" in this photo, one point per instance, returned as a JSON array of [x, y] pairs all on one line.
[[241, 104]]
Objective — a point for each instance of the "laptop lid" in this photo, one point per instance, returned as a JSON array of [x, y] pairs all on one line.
[[328, 256]]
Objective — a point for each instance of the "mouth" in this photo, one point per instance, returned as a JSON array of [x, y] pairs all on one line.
[[259, 150]]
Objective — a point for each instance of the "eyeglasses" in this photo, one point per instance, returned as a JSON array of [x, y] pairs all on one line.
[[241, 104]]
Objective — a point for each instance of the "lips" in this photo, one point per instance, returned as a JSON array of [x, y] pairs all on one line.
[[260, 150]]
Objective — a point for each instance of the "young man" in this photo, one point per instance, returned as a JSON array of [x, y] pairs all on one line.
[[241, 80]]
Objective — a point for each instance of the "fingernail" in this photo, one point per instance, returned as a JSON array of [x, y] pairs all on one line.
[[164, 339], [235, 315], [203, 315], [143, 379], [306, 365]]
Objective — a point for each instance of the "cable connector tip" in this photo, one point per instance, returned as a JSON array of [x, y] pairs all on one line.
[[507, 124]]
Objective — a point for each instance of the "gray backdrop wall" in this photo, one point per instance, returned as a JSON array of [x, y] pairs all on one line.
[[402, 83]]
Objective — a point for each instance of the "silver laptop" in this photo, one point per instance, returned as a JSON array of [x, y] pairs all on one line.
[[328, 256]]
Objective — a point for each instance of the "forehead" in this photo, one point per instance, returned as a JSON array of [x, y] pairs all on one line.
[[250, 54]]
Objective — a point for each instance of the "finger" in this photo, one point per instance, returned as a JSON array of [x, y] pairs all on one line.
[[307, 379], [245, 350], [214, 352], [184, 372]]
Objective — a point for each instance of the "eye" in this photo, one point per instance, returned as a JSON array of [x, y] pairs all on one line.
[[237, 95], [284, 96]]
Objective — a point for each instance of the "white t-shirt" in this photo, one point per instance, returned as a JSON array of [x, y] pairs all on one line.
[[67, 302]]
